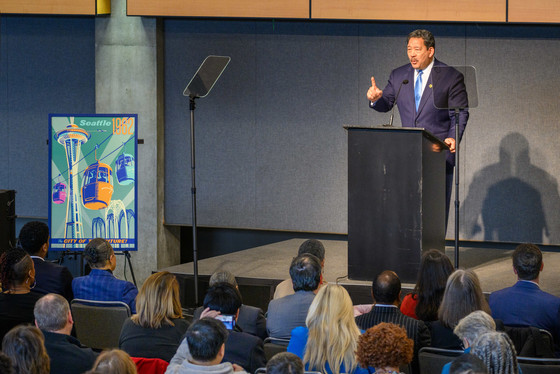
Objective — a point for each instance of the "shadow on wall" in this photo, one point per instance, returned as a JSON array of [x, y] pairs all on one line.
[[513, 200]]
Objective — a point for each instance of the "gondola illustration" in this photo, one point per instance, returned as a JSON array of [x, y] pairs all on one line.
[[97, 185]]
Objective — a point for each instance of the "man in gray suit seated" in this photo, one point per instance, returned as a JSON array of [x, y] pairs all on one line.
[[290, 311]]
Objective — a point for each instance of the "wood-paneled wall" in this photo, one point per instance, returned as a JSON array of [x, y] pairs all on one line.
[[56, 7]]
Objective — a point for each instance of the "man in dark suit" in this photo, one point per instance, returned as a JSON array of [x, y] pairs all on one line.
[[49, 277], [66, 353], [525, 304], [251, 319], [431, 81], [386, 292], [243, 349]]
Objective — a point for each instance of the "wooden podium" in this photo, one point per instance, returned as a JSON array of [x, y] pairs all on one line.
[[396, 200]]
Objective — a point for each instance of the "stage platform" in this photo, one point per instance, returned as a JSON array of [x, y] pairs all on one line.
[[258, 270]]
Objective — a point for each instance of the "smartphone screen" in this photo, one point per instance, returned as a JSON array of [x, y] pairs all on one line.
[[227, 320]]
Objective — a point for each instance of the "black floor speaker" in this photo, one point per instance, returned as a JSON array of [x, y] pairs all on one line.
[[7, 219]]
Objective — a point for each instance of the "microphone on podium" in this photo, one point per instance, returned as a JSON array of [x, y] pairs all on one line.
[[395, 103]]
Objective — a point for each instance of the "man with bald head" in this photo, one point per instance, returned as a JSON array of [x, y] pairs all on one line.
[[386, 293]]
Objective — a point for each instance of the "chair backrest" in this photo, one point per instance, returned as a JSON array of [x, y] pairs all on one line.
[[533, 365], [273, 346], [531, 341], [98, 323], [432, 360], [150, 365]]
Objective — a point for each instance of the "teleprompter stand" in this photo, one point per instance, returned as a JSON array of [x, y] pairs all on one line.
[[200, 85]]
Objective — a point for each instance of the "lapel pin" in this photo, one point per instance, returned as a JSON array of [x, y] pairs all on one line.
[[430, 85]]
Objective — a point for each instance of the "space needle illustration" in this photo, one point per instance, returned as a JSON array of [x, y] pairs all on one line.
[[71, 138]]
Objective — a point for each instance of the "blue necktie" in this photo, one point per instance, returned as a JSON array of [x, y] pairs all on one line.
[[418, 89]]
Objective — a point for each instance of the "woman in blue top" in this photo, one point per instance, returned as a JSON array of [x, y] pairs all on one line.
[[328, 344]]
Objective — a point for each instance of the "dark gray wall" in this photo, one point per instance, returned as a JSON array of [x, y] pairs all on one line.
[[47, 65], [271, 151]]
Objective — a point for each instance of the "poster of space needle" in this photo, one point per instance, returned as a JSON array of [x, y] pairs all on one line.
[[93, 175]]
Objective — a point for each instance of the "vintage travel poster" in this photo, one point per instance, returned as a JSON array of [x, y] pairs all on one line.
[[93, 176]]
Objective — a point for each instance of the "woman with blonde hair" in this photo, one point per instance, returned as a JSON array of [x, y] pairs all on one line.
[[156, 330], [329, 342], [113, 362]]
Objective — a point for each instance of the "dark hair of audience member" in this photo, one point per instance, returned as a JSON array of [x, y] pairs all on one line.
[[435, 269], [468, 364], [463, 295], [224, 298], [313, 247], [25, 345], [114, 361], [497, 352], [305, 272], [33, 235], [98, 252], [51, 312], [527, 261], [15, 268], [284, 363], [386, 287], [158, 302], [385, 345], [5, 364], [205, 337]]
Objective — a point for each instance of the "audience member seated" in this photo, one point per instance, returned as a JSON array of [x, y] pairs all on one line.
[[114, 361], [100, 284], [328, 343], [243, 349], [468, 364], [66, 353], [497, 351], [17, 276], [251, 319], [158, 327], [284, 363], [469, 329], [290, 311], [202, 350], [386, 347], [50, 277], [6, 364], [25, 346], [311, 246], [386, 292], [462, 296], [525, 304], [423, 303]]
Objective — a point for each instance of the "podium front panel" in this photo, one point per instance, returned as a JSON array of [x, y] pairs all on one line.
[[396, 201]]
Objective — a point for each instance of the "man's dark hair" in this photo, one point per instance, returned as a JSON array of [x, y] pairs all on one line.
[[428, 37], [205, 338], [305, 271], [468, 364], [386, 287], [313, 247], [33, 235], [284, 363], [527, 261], [224, 298]]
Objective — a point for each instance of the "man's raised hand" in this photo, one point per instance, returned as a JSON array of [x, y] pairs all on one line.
[[374, 93]]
